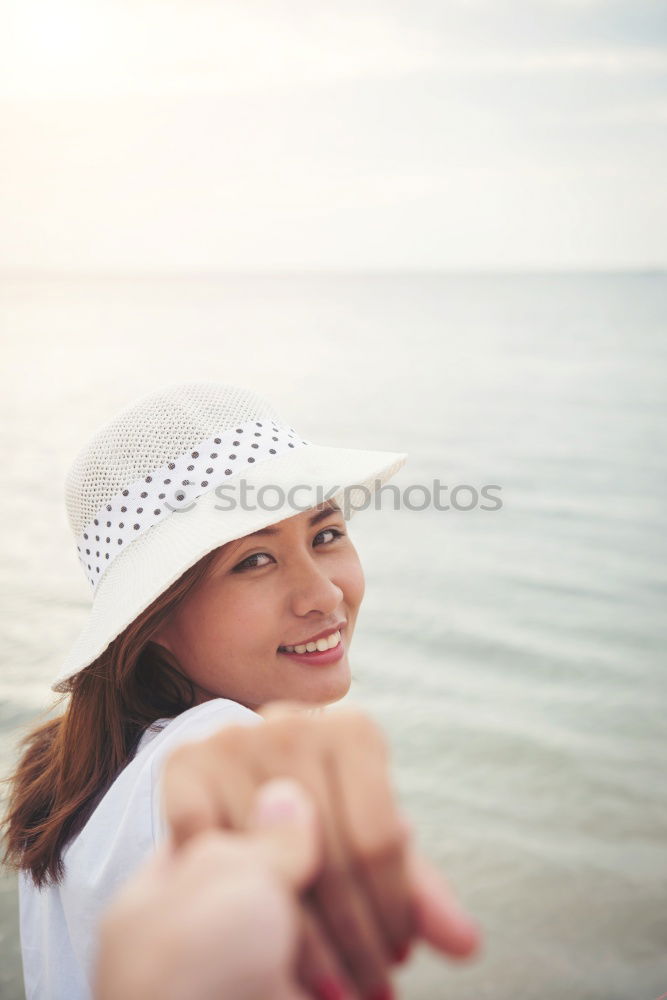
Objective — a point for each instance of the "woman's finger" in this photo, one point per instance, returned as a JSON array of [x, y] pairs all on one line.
[[286, 834], [205, 785], [440, 919], [302, 747], [374, 831], [188, 799], [319, 969], [345, 911]]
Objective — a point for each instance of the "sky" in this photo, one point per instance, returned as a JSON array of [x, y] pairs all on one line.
[[207, 135]]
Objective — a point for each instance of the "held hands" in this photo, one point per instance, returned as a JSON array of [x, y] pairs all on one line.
[[371, 894], [218, 917]]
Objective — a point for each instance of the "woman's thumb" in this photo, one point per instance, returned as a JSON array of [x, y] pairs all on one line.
[[285, 829]]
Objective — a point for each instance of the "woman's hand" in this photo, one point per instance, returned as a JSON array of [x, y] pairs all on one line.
[[373, 895]]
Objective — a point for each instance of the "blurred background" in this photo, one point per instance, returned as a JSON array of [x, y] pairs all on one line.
[[439, 228]]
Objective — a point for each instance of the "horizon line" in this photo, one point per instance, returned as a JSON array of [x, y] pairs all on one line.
[[211, 273]]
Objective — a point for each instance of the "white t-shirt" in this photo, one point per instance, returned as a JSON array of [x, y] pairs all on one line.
[[58, 923]]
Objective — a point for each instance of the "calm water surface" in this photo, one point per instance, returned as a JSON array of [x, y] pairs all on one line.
[[516, 658]]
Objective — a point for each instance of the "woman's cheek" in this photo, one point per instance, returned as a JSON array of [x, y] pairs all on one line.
[[244, 620], [355, 585]]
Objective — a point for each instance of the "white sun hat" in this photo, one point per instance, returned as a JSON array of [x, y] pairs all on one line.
[[180, 472]]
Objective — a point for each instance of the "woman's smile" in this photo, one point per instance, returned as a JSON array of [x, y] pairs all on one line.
[[321, 652], [321, 641]]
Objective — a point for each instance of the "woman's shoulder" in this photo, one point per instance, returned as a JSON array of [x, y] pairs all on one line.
[[195, 723], [123, 819]]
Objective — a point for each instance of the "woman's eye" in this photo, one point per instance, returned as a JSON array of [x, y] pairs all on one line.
[[251, 562], [329, 531]]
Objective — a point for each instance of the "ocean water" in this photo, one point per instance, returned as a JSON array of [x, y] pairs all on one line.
[[515, 657]]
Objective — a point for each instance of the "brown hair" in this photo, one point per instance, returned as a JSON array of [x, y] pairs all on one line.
[[69, 762]]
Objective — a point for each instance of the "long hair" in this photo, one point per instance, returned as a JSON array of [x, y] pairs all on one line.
[[68, 762]]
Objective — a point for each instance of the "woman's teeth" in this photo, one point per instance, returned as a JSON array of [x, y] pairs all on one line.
[[319, 645]]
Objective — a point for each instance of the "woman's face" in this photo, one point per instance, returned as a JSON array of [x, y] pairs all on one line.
[[278, 587]]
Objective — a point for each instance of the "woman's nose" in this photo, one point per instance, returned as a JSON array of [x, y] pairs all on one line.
[[314, 590]]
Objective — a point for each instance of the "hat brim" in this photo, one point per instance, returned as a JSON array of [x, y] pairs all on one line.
[[157, 558]]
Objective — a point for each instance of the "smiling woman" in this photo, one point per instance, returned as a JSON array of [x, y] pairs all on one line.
[[199, 618]]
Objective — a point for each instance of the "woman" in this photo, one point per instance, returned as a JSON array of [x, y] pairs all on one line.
[[211, 598]]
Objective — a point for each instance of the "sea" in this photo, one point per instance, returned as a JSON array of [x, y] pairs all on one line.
[[515, 656]]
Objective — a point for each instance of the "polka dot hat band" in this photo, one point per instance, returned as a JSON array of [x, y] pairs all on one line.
[[176, 485], [143, 495]]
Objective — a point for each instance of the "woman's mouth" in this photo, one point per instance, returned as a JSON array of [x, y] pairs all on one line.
[[322, 651]]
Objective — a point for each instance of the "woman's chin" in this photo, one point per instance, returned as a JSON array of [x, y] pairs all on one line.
[[325, 685]]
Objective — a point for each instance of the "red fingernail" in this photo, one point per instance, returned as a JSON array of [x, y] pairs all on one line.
[[402, 951], [329, 989]]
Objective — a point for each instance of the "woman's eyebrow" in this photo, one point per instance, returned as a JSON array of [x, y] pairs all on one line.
[[315, 519]]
